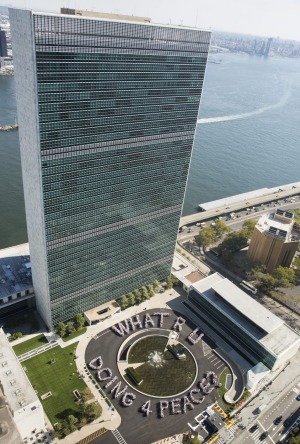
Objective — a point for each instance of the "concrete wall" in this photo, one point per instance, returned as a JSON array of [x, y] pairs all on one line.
[[27, 106]]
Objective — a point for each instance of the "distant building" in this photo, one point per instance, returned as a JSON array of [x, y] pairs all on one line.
[[268, 46], [107, 113], [274, 242], [3, 45], [250, 329]]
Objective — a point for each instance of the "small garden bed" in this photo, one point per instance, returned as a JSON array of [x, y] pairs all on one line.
[[74, 335]]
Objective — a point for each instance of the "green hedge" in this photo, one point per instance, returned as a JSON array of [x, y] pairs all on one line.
[[134, 376]]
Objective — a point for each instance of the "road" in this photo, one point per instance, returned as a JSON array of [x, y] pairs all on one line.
[[254, 201], [236, 224], [285, 406]]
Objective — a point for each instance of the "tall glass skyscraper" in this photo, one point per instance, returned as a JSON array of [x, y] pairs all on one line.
[[107, 114]]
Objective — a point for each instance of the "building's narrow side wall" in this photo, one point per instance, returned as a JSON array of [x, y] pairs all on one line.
[[26, 94]]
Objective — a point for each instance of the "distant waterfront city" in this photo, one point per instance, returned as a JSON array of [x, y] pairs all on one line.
[[247, 136]]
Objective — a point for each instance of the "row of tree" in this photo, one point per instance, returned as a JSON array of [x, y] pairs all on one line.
[[70, 327], [138, 295], [87, 412], [232, 242], [143, 294]]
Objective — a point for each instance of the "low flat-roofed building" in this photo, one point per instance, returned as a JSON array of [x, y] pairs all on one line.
[[23, 402], [102, 312], [15, 278], [252, 330], [274, 241], [186, 272]]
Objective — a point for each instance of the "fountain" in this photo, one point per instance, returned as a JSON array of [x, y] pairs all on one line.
[[156, 359]]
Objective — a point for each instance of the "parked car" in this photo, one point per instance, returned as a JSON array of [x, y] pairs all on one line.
[[264, 435], [298, 398]]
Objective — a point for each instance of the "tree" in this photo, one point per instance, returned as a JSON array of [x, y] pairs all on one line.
[[130, 299], [227, 257], [72, 420], [285, 277], [65, 430], [59, 432], [221, 228], [85, 395], [206, 237], [169, 282], [296, 265], [156, 285], [61, 329], [294, 440], [248, 227], [70, 328], [16, 335], [93, 411], [175, 280], [137, 296], [123, 301], [151, 291], [194, 440], [79, 321], [267, 283], [144, 293], [234, 241]]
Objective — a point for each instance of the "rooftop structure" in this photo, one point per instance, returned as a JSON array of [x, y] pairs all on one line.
[[15, 270], [107, 112], [15, 278], [24, 404], [250, 328], [109, 16], [274, 242]]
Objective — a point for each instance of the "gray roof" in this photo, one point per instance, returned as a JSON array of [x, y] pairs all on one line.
[[16, 386], [234, 303], [15, 274], [239, 301]]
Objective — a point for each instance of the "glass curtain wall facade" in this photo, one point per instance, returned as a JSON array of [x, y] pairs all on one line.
[[117, 111], [231, 332]]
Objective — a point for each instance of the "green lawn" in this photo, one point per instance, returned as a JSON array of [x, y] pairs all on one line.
[[174, 376], [222, 390], [57, 378], [75, 334], [29, 345]]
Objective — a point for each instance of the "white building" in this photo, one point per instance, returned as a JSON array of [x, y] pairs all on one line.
[[253, 331], [23, 402]]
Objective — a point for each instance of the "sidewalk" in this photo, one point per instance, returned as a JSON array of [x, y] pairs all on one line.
[[283, 383]]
